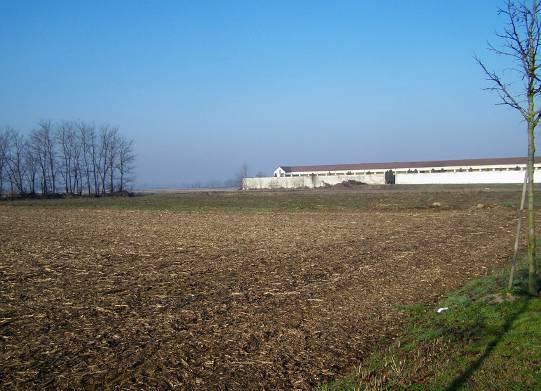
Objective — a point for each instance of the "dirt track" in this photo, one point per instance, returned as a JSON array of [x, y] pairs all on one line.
[[221, 301]]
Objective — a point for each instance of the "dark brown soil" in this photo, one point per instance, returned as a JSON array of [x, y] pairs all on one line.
[[143, 299]]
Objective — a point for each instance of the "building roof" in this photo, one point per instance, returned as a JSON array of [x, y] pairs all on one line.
[[421, 164]]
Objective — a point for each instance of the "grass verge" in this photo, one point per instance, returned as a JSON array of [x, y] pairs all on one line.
[[487, 339]]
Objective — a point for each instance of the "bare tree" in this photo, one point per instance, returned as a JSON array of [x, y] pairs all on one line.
[[103, 163], [125, 164], [39, 151], [243, 173], [32, 167], [3, 158], [49, 149], [74, 152], [108, 145], [15, 161], [520, 42], [77, 164], [65, 136], [96, 147], [86, 135], [94, 158], [113, 151]]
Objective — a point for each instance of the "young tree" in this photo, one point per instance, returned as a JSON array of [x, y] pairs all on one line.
[[520, 42]]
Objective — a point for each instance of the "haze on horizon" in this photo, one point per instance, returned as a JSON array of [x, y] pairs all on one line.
[[203, 87]]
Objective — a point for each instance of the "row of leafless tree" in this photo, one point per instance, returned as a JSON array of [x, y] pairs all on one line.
[[66, 157]]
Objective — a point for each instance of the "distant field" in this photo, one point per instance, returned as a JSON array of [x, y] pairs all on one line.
[[235, 290], [345, 199]]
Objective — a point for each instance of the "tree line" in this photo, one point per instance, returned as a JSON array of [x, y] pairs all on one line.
[[66, 157]]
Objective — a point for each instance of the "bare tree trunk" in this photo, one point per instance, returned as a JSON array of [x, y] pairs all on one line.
[[532, 267], [517, 237], [532, 123]]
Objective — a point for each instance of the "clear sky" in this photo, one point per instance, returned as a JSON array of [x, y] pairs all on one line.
[[204, 86]]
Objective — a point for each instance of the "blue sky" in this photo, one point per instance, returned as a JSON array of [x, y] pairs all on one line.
[[204, 86]]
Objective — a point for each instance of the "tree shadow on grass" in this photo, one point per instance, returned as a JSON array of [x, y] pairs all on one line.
[[463, 378]]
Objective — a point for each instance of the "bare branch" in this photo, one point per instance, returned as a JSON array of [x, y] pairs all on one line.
[[502, 89]]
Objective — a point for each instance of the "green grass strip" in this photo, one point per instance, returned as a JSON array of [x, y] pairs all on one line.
[[486, 340]]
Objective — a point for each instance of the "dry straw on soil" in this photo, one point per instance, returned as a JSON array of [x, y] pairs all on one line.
[[221, 300]]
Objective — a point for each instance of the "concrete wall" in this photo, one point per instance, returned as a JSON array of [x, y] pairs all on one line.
[[309, 182], [458, 178], [464, 177]]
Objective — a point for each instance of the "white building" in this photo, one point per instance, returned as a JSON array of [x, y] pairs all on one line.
[[469, 171]]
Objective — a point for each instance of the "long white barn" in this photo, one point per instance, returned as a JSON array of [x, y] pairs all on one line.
[[468, 171]]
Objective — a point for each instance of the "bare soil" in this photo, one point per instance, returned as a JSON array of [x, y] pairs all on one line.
[[130, 299]]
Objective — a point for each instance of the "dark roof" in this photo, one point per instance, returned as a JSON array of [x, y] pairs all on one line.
[[395, 165]]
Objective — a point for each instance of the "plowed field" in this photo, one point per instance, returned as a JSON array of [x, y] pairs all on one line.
[[222, 300]]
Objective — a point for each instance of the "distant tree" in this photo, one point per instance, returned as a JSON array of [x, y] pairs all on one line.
[[113, 152], [66, 156], [125, 162], [243, 173], [87, 138], [32, 167], [65, 136], [77, 163], [521, 39], [94, 157], [15, 161], [260, 174], [105, 155], [3, 158], [43, 144], [38, 149], [49, 145]]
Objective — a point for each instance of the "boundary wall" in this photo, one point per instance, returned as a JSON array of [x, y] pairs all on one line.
[[308, 182], [429, 178]]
